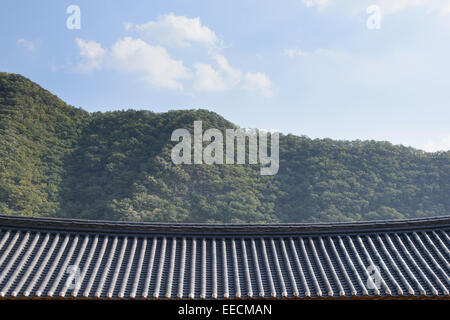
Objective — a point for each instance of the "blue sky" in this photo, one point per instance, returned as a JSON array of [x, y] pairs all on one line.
[[307, 67]]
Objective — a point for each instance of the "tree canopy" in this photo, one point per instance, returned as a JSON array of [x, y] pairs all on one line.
[[61, 161]]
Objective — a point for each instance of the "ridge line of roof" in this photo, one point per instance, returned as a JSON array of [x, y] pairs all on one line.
[[196, 228]]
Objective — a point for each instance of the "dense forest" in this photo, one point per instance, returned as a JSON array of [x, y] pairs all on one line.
[[61, 161]]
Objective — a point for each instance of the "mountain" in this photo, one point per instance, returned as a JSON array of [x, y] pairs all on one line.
[[58, 160]]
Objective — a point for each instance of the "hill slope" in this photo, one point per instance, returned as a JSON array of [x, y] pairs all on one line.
[[57, 160]]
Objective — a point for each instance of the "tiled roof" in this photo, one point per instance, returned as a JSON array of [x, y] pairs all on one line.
[[60, 258]]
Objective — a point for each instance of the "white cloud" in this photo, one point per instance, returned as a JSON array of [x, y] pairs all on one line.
[[258, 82], [92, 55], [145, 56], [90, 49], [208, 79], [320, 4], [129, 55], [158, 68], [128, 26], [440, 144], [226, 77], [177, 31], [291, 53], [441, 7], [27, 44], [233, 75]]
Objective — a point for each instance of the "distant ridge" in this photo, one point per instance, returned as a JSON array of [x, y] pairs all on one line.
[[61, 161]]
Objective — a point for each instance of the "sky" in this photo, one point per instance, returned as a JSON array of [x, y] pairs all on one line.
[[341, 69]]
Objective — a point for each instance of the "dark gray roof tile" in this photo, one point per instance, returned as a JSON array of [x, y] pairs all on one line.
[[128, 261]]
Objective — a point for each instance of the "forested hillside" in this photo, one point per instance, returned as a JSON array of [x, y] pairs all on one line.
[[57, 160]]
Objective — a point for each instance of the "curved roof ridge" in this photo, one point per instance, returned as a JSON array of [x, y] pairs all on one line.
[[202, 228]]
